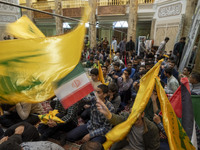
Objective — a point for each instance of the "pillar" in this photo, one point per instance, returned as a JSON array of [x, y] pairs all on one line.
[[132, 19], [29, 12], [92, 20], [59, 21], [152, 29], [190, 9]]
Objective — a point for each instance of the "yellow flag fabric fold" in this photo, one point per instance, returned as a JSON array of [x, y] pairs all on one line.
[[24, 28], [29, 66], [177, 137], [101, 78], [147, 84], [50, 116]]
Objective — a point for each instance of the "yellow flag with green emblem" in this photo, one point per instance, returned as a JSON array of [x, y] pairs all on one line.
[[29, 66], [147, 84], [24, 28], [50, 116], [177, 137]]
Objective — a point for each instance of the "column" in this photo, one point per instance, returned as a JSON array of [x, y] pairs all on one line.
[[59, 21], [152, 29], [132, 20], [92, 20], [190, 9], [29, 12]]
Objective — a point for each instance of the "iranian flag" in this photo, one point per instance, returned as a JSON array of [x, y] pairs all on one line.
[[73, 87]]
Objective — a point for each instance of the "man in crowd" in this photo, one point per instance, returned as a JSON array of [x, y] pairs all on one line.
[[105, 43], [116, 73], [70, 116], [137, 75], [186, 72], [122, 47], [142, 48], [130, 47], [171, 64], [172, 82], [194, 83], [178, 50], [161, 48], [22, 112], [124, 83], [143, 134], [98, 125], [107, 78], [129, 66], [114, 44]]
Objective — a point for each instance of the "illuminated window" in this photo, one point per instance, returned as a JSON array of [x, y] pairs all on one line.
[[66, 25], [120, 24], [87, 25]]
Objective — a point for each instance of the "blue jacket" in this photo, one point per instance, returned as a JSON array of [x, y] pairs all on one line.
[[132, 72]]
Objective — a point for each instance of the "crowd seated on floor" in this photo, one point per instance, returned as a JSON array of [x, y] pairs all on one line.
[[88, 120]]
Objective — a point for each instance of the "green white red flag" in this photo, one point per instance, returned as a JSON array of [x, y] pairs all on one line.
[[73, 87]]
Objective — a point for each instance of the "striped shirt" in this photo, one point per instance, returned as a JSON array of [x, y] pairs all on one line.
[[98, 125], [70, 114]]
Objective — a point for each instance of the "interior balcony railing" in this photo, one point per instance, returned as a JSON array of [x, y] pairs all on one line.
[[50, 4]]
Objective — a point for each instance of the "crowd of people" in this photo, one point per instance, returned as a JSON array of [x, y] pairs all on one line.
[[108, 105]]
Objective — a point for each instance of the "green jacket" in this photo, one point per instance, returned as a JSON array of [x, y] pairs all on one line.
[[151, 132]]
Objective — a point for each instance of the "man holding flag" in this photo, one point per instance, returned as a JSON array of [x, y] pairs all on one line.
[[143, 135]]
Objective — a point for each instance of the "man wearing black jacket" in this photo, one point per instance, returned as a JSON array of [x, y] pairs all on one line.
[[130, 47], [178, 50]]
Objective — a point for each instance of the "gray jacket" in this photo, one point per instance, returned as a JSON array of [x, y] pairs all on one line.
[[195, 88], [172, 85]]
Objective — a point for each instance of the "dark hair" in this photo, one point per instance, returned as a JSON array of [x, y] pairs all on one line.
[[168, 71], [113, 87], [143, 66], [173, 61], [117, 64], [95, 72], [189, 69], [108, 60], [90, 145], [104, 67], [183, 38], [147, 64], [129, 62], [142, 72], [104, 88], [129, 71], [167, 39], [196, 76], [96, 57], [171, 58]]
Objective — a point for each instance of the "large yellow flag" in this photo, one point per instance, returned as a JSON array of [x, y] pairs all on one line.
[[24, 28], [177, 137], [147, 84], [28, 66]]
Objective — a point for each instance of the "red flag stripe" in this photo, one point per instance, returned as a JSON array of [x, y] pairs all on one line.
[[76, 95]]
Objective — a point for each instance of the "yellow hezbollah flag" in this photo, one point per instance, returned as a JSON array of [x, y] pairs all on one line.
[[101, 78], [24, 28], [147, 83], [28, 66], [50, 116], [177, 137]]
